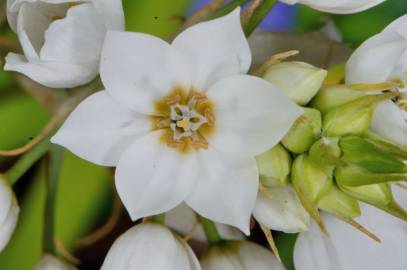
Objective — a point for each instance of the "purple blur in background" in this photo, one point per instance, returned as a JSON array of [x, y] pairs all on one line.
[[281, 18]]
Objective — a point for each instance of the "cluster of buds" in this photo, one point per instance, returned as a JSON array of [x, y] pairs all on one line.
[[330, 157]]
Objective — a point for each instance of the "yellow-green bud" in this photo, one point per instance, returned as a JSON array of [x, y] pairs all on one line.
[[352, 175], [326, 152], [338, 203], [300, 81], [309, 180], [352, 118], [274, 166], [374, 157], [331, 97], [304, 132], [378, 195]]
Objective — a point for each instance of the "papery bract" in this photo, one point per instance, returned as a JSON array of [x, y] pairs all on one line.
[[61, 39], [181, 122], [150, 246]]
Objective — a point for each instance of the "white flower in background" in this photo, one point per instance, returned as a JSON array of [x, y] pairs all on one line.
[[380, 59], [9, 211], [150, 246], [242, 255], [348, 249], [282, 211], [337, 6], [184, 221], [61, 39], [49, 262], [181, 121]]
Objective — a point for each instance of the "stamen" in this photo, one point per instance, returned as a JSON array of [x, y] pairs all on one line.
[[175, 143], [270, 240], [210, 117], [173, 100], [199, 143]]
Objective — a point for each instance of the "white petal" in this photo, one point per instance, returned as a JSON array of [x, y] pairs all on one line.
[[100, 130], [216, 49], [338, 7], [251, 114], [111, 12], [226, 188], [137, 69], [49, 262], [282, 211], [152, 178], [50, 74], [375, 60], [389, 121], [240, 255], [182, 219], [314, 251], [149, 246], [9, 211], [76, 39]]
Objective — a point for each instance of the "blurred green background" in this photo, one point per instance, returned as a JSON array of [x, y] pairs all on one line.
[[86, 191]]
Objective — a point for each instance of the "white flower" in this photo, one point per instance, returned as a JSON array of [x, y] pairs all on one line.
[[9, 211], [61, 39], [348, 249], [183, 220], [337, 6], [49, 262], [181, 122], [282, 211], [242, 255], [379, 59], [150, 246]]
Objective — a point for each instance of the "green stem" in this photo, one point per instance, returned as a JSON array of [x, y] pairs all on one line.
[[159, 218], [26, 161], [227, 8], [211, 232], [258, 16], [53, 171]]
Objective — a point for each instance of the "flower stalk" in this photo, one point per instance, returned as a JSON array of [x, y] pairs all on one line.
[[258, 16], [211, 232]]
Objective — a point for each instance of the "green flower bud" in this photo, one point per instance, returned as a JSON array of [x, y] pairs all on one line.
[[352, 118], [274, 166], [310, 180], [338, 203], [299, 80], [352, 175], [334, 96], [305, 131], [378, 195], [374, 157], [326, 152]]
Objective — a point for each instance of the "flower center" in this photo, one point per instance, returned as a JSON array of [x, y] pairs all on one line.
[[186, 119]]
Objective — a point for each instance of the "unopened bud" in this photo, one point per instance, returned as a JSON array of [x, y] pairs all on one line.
[[338, 203], [274, 166], [378, 195], [334, 96], [300, 81], [352, 118], [374, 157], [326, 152], [309, 180], [352, 175], [304, 132]]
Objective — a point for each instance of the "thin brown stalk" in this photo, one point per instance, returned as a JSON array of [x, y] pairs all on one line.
[[270, 240], [274, 59], [248, 13], [203, 13], [359, 227]]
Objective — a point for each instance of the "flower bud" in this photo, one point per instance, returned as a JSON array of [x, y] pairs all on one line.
[[338, 203], [274, 166], [375, 157], [326, 152], [300, 81], [378, 195], [243, 255], [49, 262], [352, 175], [353, 117], [309, 180], [150, 246], [305, 131], [331, 97]]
